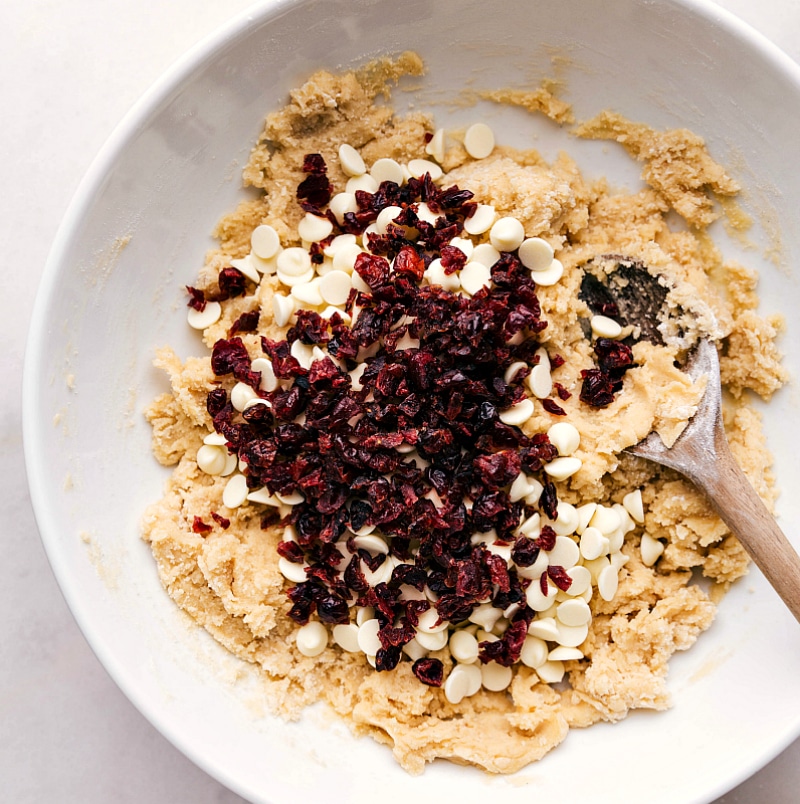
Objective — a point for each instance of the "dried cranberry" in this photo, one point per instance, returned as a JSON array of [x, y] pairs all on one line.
[[553, 407], [409, 262], [429, 671], [387, 658], [333, 610], [232, 283], [315, 188], [246, 322], [597, 388], [222, 521], [197, 299], [524, 552], [558, 575], [198, 526]]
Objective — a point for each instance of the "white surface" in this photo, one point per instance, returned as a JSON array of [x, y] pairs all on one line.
[[70, 72]]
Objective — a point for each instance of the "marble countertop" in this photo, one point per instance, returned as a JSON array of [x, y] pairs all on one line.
[[71, 70]]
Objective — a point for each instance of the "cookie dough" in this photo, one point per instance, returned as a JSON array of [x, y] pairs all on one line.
[[228, 580]]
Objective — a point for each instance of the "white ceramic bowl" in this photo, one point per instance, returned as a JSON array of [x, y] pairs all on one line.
[[113, 291]]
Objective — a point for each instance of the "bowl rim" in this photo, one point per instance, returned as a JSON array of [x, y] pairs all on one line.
[[202, 52]]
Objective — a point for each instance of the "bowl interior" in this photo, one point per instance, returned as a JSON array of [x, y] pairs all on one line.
[[136, 234]]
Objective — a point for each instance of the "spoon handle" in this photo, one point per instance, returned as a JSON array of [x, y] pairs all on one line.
[[742, 510]]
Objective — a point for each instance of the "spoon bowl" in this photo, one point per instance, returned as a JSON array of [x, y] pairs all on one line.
[[701, 453]]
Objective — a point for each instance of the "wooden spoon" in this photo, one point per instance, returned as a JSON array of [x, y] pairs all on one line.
[[701, 453]]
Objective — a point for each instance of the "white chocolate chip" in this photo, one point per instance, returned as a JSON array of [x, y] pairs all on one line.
[[387, 170], [427, 622], [507, 234], [633, 505], [345, 258], [295, 498], [585, 513], [434, 641], [295, 573], [544, 628], [302, 353], [486, 254], [313, 228], [308, 292], [269, 266], [565, 437], [479, 140], [265, 242], [330, 311], [335, 287], [562, 468], [235, 491], [385, 217], [241, 394], [338, 242], [290, 280], [435, 147], [520, 488], [512, 371], [464, 245], [312, 639], [608, 582], [247, 267], [461, 683], [485, 615], [474, 276], [605, 519], [212, 459], [533, 497], [264, 497], [495, 677], [341, 204], [550, 276], [517, 414], [351, 161], [414, 650], [419, 167], [435, 275], [535, 570], [581, 580], [539, 381], [567, 519], [574, 612], [534, 652], [532, 525], [215, 440], [463, 647], [593, 543], [538, 601], [565, 553], [563, 654], [605, 327], [282, 308], [481, 220], [368, 640], [200, 319], [551, 672], [294, 261], [425, 213], [345, 635], [371, 543], [535, 254], [269, 382], [570, 636], [364, 183], [652, 549]]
